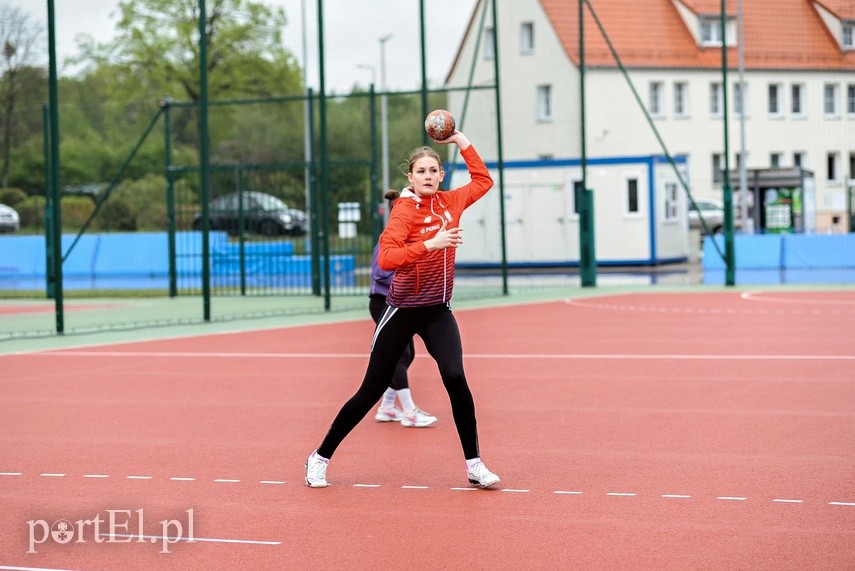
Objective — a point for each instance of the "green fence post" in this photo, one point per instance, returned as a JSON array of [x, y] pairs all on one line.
[[315, 218], [170, 196], [241, 229], [56, 210], [584, 197], [587, 250], [729, 250], [49, 253], [374, 177], [323, 227]]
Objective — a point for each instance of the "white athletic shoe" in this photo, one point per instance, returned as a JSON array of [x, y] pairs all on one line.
[[480, 475], [316, 471], [417, 418], [389, 414]]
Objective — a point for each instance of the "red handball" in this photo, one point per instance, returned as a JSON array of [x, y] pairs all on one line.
[[439, 124]]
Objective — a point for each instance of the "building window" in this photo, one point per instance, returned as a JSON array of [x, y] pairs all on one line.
[[681, 99], [852, 166], [850, 99], [775, 160], [829, 99], [832, 173], [711, 31], [740, 98], [798, 159], [715, 99], [848, 35], [489, 53], [655, 103], [797, 94], [671, 200], [527, 37], [717, 169], [632, 196], [775, 99], [544, 102]]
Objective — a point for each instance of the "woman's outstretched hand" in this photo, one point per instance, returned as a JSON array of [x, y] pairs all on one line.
[[446, 237], [456, 137]]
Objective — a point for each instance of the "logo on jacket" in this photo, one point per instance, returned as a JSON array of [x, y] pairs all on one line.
[[428, 219]]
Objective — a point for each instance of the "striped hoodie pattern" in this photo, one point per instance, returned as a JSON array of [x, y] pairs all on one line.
[[427, 278]]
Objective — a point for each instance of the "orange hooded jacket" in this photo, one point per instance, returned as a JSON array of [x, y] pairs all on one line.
[[422, 277]]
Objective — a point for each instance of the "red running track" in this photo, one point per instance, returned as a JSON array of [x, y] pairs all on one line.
[[710, 430]]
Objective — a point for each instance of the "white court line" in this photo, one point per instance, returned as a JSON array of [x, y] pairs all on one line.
[[841, 503], [10, 568], [511, 490], [757, 295], [95, 476], [11, 473], [731, 498], [628, 494], [179, 479], [463, 489], [414, 487], [366, 485], [139, 477], [569, 493], [226, 481], [271, 482], [783, 501], [681, 496], [189, 540], [48, 475], [520, 356]]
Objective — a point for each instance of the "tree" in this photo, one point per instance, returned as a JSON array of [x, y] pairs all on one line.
[[18, 37], [157, 41]]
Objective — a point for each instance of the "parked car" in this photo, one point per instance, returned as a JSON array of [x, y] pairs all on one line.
[[9, 219], [713, 213], [262, 214]]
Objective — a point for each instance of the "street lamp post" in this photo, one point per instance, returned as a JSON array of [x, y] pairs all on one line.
[[370, 68], [384, 113]]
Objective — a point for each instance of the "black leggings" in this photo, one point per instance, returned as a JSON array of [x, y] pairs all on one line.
[[377, 306], [436, 325]]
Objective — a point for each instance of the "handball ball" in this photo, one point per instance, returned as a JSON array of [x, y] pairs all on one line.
[[439, 124]]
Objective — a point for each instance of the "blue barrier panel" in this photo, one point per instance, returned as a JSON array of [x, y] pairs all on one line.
[[22, 257], [188, 250], [803, 251], [756, 252], [140, 260], [819, 275], [745, 276], [81, 260], [133, 254]]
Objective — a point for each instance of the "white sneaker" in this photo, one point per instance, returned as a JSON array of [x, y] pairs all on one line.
[[480, 475], [316, 471], [417, 418], [389, 414]]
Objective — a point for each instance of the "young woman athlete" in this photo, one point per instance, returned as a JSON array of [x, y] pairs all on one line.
[[419, 243]]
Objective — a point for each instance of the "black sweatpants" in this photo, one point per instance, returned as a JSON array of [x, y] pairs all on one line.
[[436, 325], [400, 380]]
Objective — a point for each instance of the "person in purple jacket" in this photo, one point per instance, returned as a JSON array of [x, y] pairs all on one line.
[[409, 414]]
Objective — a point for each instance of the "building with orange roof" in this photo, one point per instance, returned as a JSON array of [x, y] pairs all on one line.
[[799, 110]]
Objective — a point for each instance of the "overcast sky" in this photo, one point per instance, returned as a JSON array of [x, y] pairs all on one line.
[[352, 29]]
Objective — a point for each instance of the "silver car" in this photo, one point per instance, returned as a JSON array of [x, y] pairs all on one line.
[[713, 213], [9, 219]]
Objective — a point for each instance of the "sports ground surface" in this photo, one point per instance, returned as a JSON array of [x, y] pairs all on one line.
[[657, 427]]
